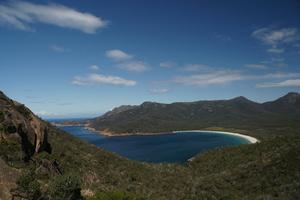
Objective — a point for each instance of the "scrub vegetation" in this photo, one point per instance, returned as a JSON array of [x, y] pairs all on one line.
[[75, 169]]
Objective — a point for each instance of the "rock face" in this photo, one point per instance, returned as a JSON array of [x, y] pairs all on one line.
[[18, 123]]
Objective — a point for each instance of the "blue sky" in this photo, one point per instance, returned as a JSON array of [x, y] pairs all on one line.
[[82, 58]]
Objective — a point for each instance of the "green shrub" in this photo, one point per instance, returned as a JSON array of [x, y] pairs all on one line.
[[10, 150], [23, 110], [115, 195], [45, 155], [29, 186], [65, 187]]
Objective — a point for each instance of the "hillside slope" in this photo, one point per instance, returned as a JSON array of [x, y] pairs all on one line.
[[238, 113], [266, 170]]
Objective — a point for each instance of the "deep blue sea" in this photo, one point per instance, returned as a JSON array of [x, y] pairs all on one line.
[[170, 148]]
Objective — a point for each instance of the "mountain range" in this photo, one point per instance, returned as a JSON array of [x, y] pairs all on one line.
[[152, 117]]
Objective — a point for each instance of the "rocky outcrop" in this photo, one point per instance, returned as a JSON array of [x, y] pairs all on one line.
[[19, 124]]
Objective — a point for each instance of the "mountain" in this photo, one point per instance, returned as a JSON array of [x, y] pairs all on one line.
[[156, 117], [288, 104], [18, 123], [75, 169]]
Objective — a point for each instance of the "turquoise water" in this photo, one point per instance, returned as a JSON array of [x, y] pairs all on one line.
[[171, 148]]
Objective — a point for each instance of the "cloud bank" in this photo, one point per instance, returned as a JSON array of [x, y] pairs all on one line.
[[276, 37], [134, 66], [126, 61], [256, 66], [21, 15], [210, 78], [118, 55], [94, 67], [159, 90], [286, 83], [93, 79]]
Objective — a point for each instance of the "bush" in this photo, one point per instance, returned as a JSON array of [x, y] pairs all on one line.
[[115, 195], [65, 187], [10, 151], [23, 110], [45, 155], [29, 186]]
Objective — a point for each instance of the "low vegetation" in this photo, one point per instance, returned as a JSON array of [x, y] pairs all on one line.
[[267, 170], [75, 169]]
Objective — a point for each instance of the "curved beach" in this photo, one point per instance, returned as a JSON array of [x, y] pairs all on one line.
[[251, 139]]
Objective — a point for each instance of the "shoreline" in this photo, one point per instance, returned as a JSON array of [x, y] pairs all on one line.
[[111, 134], [62, 124], [107, 133], [250, 139]]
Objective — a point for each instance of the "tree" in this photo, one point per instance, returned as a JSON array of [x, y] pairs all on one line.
[[65, 187]]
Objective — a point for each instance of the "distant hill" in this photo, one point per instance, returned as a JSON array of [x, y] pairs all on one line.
[[289, 104], [234, 113]]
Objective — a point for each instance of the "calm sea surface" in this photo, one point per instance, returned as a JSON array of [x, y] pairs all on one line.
[[171, 148]]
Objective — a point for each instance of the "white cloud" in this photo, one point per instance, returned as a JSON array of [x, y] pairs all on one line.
[[58, 48], [134, 66], [221, 77], [286, 83], [94, 67], [211, 78], [118, 55], [167, 64], [44, 113], [195, 67], [275, 37], [21, 15], [94, 78], [257, 66], [279, 75], [159, 90], [275, 50], [126, 61]]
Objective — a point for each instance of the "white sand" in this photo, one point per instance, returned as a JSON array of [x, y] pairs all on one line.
[[247, 137]]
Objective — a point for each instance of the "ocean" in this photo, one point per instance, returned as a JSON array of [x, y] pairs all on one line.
[[166, 148]]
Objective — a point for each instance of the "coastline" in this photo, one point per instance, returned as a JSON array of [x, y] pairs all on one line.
[[106, 132], [62, 124], [250, 139]]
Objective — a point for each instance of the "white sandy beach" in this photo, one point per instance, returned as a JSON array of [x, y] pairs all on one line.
[[247, 137], [251, 139]]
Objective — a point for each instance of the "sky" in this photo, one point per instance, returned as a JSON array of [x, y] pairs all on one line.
[[67, 59]]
